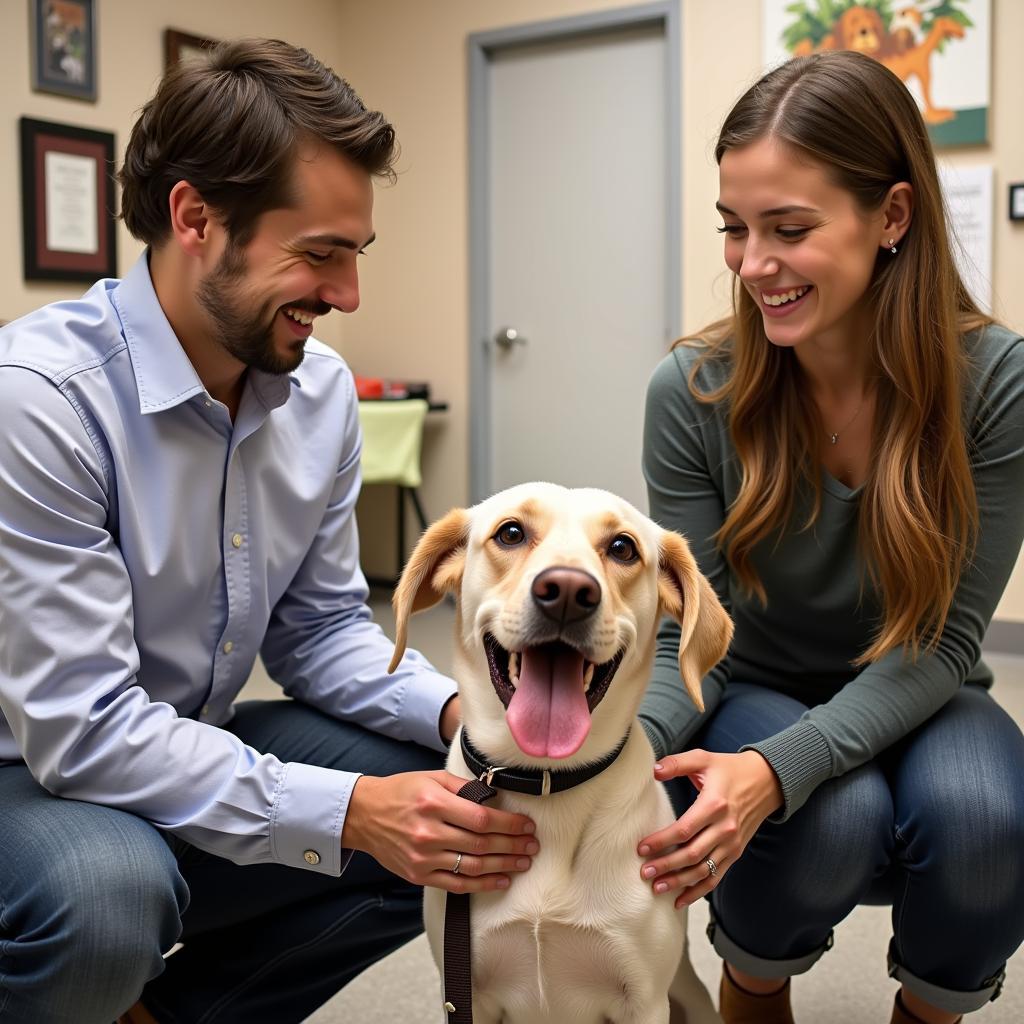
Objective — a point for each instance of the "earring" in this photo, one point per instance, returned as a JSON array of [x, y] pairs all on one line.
[[892, 246]]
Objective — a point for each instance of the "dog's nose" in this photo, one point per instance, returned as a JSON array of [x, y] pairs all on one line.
[[566, 595]]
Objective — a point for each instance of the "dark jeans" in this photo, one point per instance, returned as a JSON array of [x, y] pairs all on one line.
[[935, 826], [90, 897]]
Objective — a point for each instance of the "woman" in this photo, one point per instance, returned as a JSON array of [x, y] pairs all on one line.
[[846, 456]]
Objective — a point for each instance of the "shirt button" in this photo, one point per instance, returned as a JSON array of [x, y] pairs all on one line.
[[311, 857], [228, 647], [236, 540], [208, 404]]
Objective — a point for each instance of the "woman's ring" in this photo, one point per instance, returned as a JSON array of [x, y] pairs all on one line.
[[458, 864], [712, 867]]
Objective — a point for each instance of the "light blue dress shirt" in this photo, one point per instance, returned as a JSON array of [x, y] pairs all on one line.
[[150, 548]]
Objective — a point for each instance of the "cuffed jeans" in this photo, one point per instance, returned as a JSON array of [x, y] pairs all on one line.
[[934, 826], [91, 897]]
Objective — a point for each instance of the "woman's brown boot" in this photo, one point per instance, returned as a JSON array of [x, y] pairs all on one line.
[[738, 1006]]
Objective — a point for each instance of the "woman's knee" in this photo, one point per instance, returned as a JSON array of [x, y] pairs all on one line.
[[960, 800], [797, 879], [832, 848]]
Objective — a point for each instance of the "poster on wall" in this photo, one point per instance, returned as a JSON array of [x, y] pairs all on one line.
[[64, 47], [940, 49], [969, 201]]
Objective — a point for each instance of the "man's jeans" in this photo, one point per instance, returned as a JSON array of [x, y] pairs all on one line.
[[91, 897], [935, 826]]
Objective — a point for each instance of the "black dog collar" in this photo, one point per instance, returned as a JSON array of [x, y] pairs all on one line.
[[533, 781]]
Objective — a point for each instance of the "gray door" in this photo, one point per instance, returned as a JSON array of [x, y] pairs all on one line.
[[578, 256]]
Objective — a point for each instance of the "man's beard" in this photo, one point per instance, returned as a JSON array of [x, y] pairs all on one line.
[[249, 337]]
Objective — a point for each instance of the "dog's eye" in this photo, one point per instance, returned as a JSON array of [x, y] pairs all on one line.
[[510, 534], [623, 549]]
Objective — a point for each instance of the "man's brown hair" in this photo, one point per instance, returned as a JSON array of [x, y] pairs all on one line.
[[230, 123]]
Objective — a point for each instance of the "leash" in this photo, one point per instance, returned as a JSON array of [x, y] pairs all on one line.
[[458, 953]]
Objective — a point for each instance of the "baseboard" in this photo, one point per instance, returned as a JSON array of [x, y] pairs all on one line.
[[1004, 637]]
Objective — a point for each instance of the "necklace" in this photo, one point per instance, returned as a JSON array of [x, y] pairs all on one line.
[[834, 435]]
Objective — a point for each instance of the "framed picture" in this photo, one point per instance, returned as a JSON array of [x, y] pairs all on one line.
[[182, 46], [67, 190], [64, 47], [940, 49], [1017, 201]]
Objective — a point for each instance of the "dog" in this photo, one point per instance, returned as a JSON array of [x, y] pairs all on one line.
[[559, 594]]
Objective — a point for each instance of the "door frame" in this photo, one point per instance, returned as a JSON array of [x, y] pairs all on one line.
[[483, 46]]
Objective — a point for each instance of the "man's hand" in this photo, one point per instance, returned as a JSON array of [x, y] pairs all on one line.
[[415, 826], [737, 793], [451, 718]]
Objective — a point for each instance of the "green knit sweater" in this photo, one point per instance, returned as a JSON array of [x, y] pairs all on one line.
[[818, 617]]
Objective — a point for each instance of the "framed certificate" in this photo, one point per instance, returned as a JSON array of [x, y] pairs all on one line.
[[67, 187]]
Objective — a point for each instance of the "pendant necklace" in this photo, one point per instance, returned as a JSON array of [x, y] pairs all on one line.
[[834, 435]]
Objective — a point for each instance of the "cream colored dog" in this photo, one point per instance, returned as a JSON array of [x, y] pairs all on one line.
[[559, 594]]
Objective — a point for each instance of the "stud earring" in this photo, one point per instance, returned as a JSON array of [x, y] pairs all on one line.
[[892, 246]]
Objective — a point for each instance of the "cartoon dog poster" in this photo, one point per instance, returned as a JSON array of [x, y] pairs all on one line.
[[939, 48]]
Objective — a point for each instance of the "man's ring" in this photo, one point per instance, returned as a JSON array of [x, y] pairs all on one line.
[[712, 867], [458, 864]]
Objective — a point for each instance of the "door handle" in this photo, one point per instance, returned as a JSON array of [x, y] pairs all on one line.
[[507, 338]]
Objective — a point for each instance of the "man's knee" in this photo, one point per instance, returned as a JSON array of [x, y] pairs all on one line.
[[115, 889], [88, 910]]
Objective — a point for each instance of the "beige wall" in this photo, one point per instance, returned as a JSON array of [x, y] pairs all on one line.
[[408, 58], [130, 59]]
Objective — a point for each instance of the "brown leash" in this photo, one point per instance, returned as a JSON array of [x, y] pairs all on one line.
[[458, 953]]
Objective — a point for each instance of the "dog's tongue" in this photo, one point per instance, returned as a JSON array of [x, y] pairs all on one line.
[[548, 714]]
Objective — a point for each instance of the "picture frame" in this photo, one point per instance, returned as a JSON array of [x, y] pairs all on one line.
[[182, 46], [1017, 200], [69, 231], [63, 45], [941, 51]]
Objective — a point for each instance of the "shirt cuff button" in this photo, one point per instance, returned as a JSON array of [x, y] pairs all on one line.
[[311, 857]]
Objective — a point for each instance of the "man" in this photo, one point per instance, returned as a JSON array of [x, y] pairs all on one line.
[[176, 495]]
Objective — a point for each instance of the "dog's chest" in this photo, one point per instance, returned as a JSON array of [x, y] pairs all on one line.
[[572, 938], [582, 913]]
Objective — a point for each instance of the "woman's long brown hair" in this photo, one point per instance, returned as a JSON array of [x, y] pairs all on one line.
[[918, 509]]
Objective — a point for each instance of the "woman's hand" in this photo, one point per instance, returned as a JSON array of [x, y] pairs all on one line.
[[736, 793]]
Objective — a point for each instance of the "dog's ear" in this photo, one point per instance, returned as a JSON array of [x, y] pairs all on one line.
[[686, 595], [434, 567]]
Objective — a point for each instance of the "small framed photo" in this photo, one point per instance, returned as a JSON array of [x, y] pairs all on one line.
[[67, 190], [1017, 201], [182, 46], [64, 47]]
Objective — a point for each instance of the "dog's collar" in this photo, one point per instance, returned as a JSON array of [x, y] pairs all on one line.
[[533, 781]]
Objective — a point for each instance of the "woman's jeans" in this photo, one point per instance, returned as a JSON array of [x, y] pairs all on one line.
[[934, 826], [91, 897]]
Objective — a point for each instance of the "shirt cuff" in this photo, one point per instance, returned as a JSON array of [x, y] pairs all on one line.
[[425, 697], [801, 758], [308, 816]]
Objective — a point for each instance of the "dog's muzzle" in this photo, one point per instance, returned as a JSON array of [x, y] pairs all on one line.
[[549, 691]]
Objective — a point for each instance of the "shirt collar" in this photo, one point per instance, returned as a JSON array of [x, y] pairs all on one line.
[[164, 375]]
